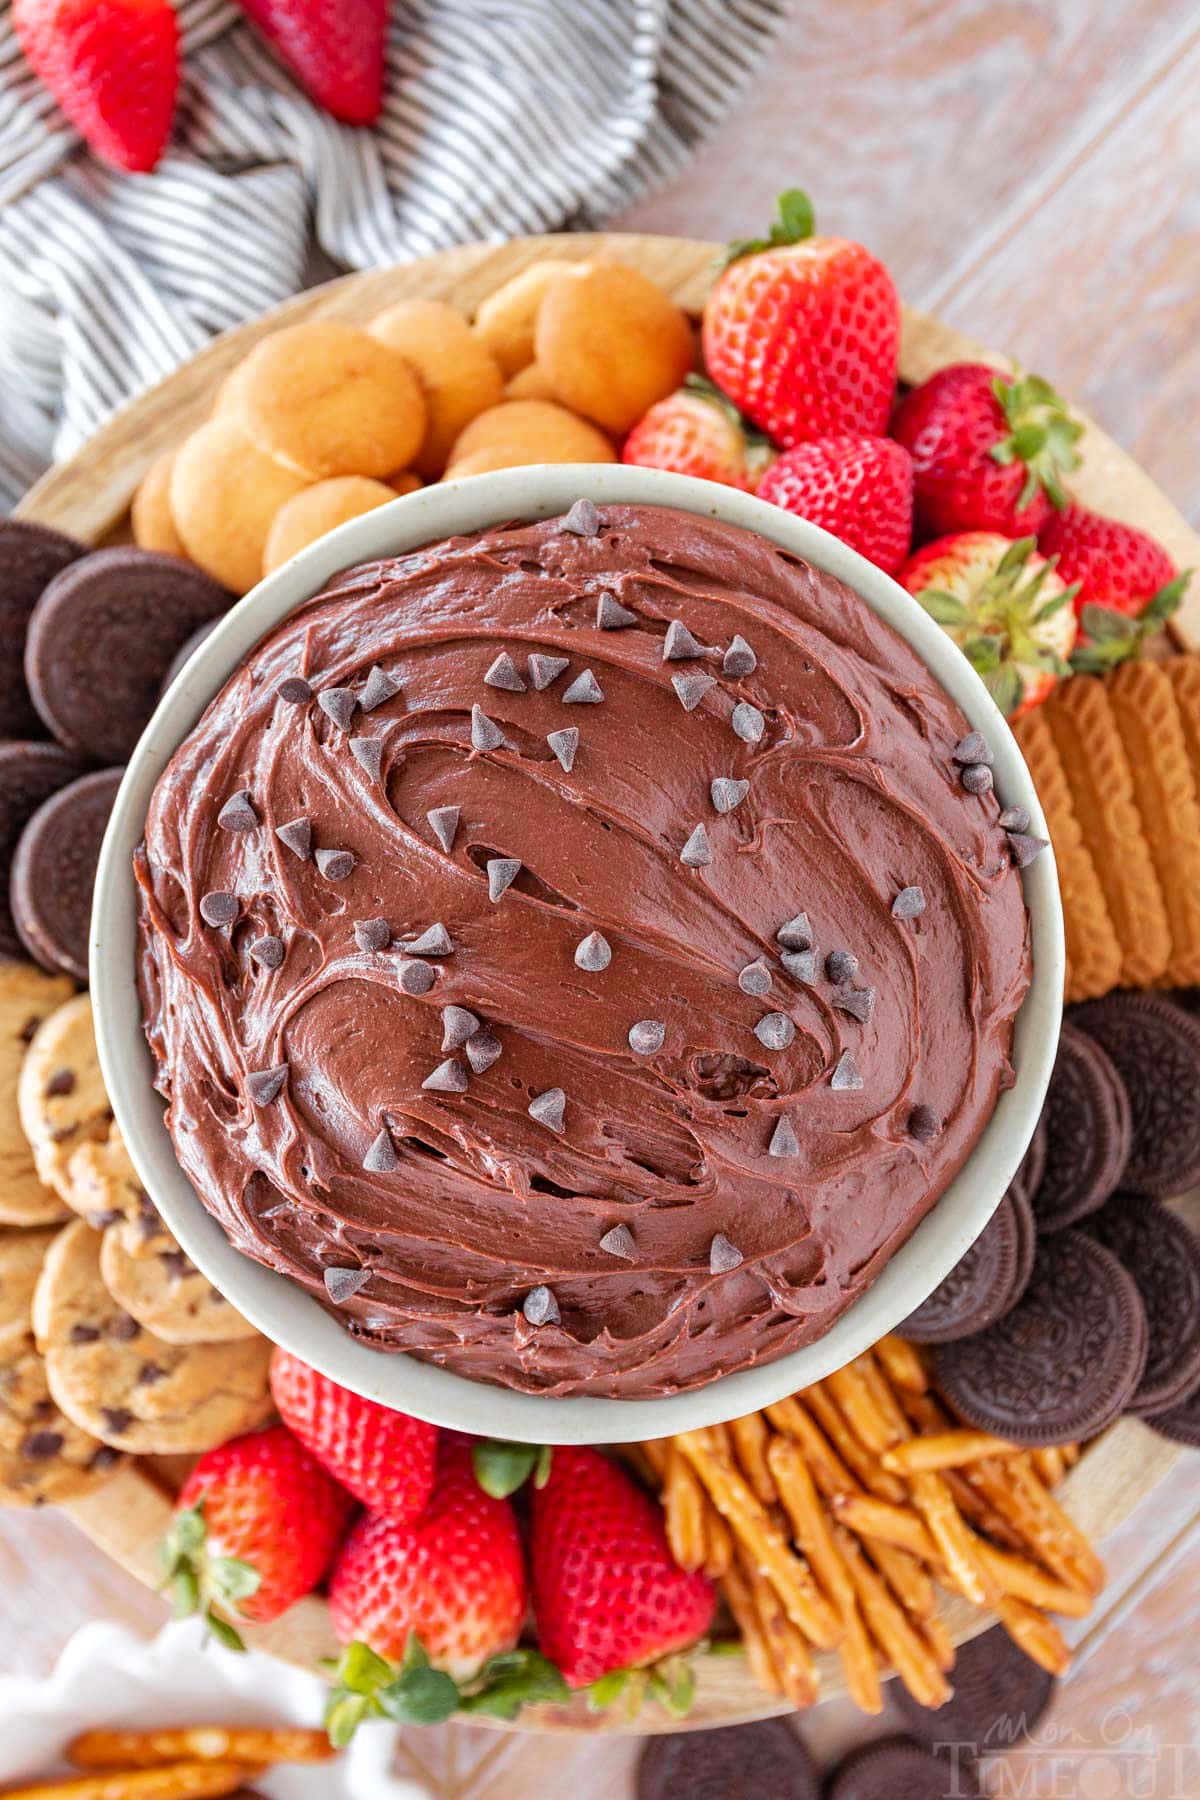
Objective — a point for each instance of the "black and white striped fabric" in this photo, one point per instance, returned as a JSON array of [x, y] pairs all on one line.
[[502, 117]]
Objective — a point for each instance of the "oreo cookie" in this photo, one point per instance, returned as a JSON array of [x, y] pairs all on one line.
[[184, 651], [30, 557], [54, 872], [1155, 1046], [895, 1768], [985, 1282], [1180, 1423], [1028, 1178], [764, 1761], [1163, 1257], [1087, 1121], [1065, 1362], [29, 774], [999, 1697], [101, 639]]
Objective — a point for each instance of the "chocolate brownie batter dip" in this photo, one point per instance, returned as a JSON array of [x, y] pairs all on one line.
[[581, 952]]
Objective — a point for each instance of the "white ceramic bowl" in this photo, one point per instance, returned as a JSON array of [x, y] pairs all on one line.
[[283, 1310]]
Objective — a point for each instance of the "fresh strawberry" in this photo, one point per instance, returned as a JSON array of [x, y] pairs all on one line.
[[113, 67], [1006, 607], [385, 1458], [696, 431], [803, 332], [335, 49], [607, 1594], [1128, 585], [859, 488], [255, 1528], [989, 454]]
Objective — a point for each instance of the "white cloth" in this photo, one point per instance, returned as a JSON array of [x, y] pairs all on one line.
[[501, 117]]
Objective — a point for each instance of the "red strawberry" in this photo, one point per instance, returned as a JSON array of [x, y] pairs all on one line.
[[607, 1594], [697, 432], [335, 49], [989, 454], [859, 488], [256, 1525], [1006, 608], [1128, 585], [455, 1578], [385, 1458], [113, 67], [803, 332]]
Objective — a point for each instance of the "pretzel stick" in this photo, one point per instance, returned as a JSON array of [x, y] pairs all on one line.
[[1039, 1521], [654, 1455], [790, 1654], [1049, 1465], [852, 1392], [1021, 1579], [1036, 1635], [750, 1436], [944, 1450], [870, 1476], [903, 1364], [684, 1506], [169, 1781], [830, 1473], [982, 1515], [941, 1647], [887, 1402], [1070, 1454], [720, 1543], [892, 1630], [885, 1523], [125, 1750], [740, 1601], [952, 1535]]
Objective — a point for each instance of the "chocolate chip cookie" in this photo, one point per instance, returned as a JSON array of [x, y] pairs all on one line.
[[26, 998], [164, 1290], [60, 1092]]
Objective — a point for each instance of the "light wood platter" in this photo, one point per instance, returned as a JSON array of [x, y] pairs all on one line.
[[88, 495]]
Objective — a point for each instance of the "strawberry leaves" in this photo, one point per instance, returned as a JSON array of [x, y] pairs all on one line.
[[795, 221], [1109, 637], [367, 1686], [502, 1467], [199, 1582], [672, 1682], [1042, 436]]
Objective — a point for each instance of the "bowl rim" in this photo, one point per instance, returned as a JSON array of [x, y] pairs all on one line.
[[293, 1318]]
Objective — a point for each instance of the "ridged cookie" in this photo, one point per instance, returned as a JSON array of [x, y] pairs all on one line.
[[1084, 728], [27, 996], [60, 1092], [1093, 953], [1148, 719], [1183, 672]]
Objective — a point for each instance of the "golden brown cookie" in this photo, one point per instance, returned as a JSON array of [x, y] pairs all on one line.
[[164, 1291], [127, 1385], [225, 493], [150, 511], [1183, 672], [319, 509], [1093, 953], [407, 482], [44, 1457], [27, 996], [103, 1186], [506, 319], [60, 1092], [459, 376], [530, 383], [1085, 733], [326, 399], [611, 342], [531, 431], [1148, 719]]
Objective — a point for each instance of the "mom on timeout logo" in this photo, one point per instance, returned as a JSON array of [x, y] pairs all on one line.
[[1117, 1761]]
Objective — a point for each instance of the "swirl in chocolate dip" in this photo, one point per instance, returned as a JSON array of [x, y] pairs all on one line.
[[601, 1063]]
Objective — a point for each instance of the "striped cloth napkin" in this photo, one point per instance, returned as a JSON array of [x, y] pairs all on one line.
[[502, 117]]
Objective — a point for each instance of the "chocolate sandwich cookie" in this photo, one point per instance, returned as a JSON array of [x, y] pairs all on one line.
[[999, 1697], [1028, 1178], [1180, 1423], [29, 774], [763, 1761], [895, 1768], [1087, 1121], [1155, 1047], [1065, 1362], [54, 871], [184, 652], [101, 639], [1163, 1257], [30, 557], [983, 1285]]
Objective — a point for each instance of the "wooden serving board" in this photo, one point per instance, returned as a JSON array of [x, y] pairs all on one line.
[[88, 495]]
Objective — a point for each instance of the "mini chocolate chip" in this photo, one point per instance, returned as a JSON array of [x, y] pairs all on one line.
[[691, 689], [378, 688], [565, 744], [436, 941], [334, 865], [549, 1109], [696, 853], [117, 1419], [846, 1074], [448, 1078], [977, 778], [368, 754], [775, 1031], [859, 1002], [175, 1263], [755, 978], [485, 733], [61, 1083], [149, 1373], [239, 813], [40, 1445], [265, 1085], [611, 615], [502, 871], [124, 1327], [543, 670], [540, 1307], [585, 690], [974, 748], [619, 1241], [381, 1157], [482, 1051], [443, 822], [747, 722], [726, 793], [414, 978], [739, 659], [801, 965], [268, 951], [297, 834], [1014, 818], [679, 645], [29, 1028], [295, 690], [103, 1217], [457, 1026], [504, 673], [218, 907], [923, 1123], [647, 1037], [1025, 848], [796, 933], [342, 1284], [583, 519], [372, 934], [722, 1255], [104, 1457], [339, 704], [841, 966], [909, 903], [84, 1334], [593, 953], [784, 1141]]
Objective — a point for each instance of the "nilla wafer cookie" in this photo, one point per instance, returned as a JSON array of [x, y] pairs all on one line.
[[1084, 729], [150, 510], [459, 376], [314, 511], [506, 319], [530, 431], [1093, 952], [1144, 706], [225, 493]]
